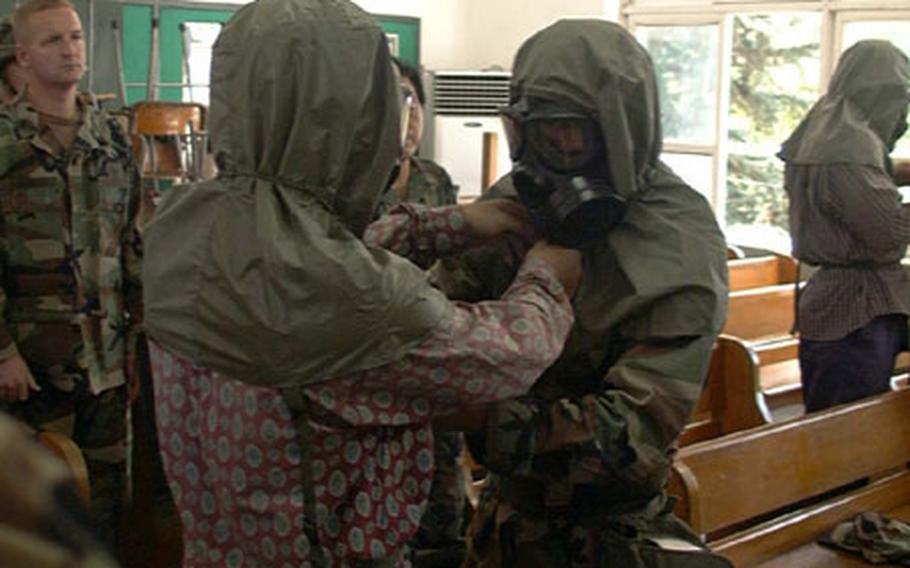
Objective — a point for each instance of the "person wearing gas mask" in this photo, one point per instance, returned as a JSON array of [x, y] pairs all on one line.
[[297, 365], [578, 466], [846, 217]]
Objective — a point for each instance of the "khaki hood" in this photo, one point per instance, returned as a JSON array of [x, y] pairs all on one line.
[[598, 67], [856, 121], [261, 274], [303, 95], [668, 239]]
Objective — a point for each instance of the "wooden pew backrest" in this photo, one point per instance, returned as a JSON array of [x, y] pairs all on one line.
[[730, 400], [731, 480], [761, 313], [761, 271], [734, 251]]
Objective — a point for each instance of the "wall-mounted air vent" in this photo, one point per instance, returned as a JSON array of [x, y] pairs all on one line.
[[470, 93]]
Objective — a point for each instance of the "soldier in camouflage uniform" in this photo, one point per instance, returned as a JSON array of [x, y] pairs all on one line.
[[42, 520], [439, 542], [70, 295], [578, 466], [419, 181]]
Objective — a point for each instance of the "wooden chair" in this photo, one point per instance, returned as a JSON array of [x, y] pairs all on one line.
[[169, 139], [767, 494], [69, 453]]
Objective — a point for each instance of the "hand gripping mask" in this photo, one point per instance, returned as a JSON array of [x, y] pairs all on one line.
[[561, 172]]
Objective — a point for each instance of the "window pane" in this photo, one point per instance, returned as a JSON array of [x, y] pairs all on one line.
[[774, 82], [201, 36], [695, 169], [898, 33], [685, 59], [755, 191]]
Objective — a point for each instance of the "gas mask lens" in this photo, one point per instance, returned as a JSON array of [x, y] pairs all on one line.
[[563, 145]]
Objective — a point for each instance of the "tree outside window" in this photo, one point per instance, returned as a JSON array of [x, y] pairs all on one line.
[[774, 82]]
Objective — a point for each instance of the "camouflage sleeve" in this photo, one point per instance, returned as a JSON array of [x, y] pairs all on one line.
[[446, 192], [12, 152], [618, 438]]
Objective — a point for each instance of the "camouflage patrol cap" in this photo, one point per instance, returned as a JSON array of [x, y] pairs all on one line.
[[7, 42]]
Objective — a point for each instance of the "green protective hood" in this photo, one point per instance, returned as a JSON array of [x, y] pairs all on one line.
[[855, 122], [668, 239], [261, 274]]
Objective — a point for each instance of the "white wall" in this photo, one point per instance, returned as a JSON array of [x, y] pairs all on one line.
[[496, 29], [478, 34], [443, 27]]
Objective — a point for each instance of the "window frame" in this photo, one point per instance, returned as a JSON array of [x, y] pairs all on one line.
[[717, 191], [835, 15]]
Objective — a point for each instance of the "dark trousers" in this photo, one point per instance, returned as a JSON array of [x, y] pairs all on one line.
[[853, 367]]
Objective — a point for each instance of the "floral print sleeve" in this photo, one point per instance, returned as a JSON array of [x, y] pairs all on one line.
[[419, 233], [488, 351]]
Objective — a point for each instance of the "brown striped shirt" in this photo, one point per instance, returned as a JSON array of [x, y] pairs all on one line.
[[847, 219]]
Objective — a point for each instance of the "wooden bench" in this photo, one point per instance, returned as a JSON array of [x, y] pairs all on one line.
[[731, 400], [757, 272], [734, 251], [761, 314], [763, 318], [763, 496], [756, 339]]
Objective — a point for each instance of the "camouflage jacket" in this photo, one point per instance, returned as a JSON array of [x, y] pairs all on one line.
[[595, 434], [584, 457], [428, 184], [69, 250]]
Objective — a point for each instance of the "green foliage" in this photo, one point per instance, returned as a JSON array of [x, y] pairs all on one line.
[[682, 86], [762, 89], [773, 84], [755, 194]]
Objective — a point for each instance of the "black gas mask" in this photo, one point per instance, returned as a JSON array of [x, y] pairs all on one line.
[[561, 172]]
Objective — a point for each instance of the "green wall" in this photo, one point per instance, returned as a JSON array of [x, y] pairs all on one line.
[[137, 33]]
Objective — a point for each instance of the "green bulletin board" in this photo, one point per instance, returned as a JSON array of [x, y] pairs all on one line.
[[408, 32], [137, 37]]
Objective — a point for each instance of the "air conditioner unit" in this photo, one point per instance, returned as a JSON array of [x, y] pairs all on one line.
[[465, 109]]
